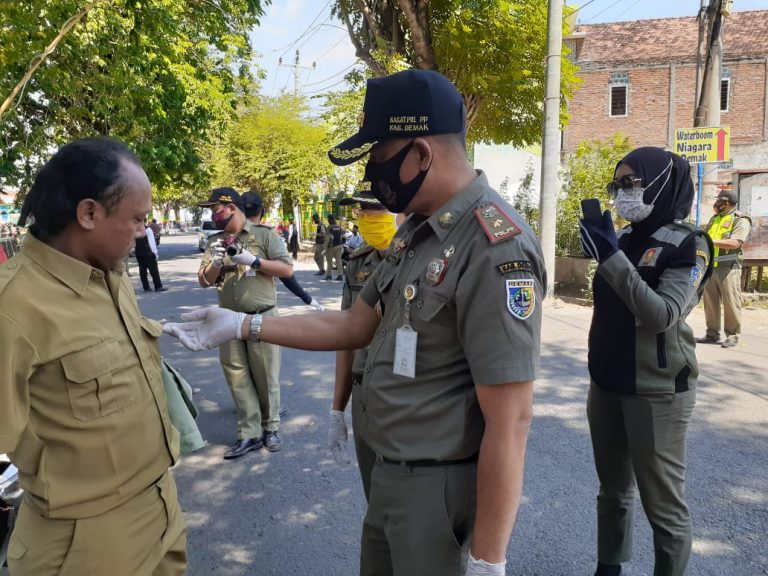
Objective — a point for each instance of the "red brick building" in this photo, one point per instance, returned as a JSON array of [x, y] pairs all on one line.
[[639, 79]]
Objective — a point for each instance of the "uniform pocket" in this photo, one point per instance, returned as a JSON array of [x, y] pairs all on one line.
[[16, 549], [90, 387]]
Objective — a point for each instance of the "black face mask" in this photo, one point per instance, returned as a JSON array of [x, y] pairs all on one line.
[[385, 181]]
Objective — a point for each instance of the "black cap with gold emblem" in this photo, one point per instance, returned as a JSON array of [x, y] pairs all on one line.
[[403, 105]]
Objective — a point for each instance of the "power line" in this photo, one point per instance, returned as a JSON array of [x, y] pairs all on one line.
[[628, 9], [601, 11], [301, 36], [340, 40], [324, 80], [582, 6]]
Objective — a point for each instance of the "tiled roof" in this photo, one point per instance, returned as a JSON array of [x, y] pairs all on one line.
[[670, 39]]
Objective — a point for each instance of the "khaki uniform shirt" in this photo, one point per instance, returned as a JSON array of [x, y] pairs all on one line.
[[82, 409], [362, 263], [242, 288], [479, 278]]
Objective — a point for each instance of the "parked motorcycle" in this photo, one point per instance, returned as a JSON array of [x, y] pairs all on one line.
[[10, 500]]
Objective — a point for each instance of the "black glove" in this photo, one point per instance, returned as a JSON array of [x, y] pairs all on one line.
[[598, 238]]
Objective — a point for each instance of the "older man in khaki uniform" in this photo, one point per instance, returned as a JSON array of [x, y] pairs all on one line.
[[729, 229], [82, 408], [245, 282], [448, 383]]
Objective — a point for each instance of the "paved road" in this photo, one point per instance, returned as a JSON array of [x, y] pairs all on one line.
[[296, 512]]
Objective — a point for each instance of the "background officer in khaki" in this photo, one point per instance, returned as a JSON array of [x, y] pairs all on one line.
[[82, 407], [245, 282], [378, 227], [448, 383], [319, 235], [334, 248], [729, 229]]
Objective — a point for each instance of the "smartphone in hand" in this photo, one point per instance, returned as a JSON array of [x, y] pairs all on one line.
[[590, 208]]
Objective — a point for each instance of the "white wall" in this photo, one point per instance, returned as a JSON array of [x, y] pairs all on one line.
[[504, 161]]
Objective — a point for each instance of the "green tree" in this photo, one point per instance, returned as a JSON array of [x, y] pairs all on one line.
[[163, 75], [274, 147], [523, 200], [588, 170], [341, 116], [493, 50]]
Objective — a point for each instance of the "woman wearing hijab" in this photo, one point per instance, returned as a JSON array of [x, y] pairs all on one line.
[[642, 359]]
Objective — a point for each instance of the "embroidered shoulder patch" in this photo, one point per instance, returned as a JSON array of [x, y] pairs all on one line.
[[521, 299], [703, 255], [496, 224], [650, 257], [696, 275], [362, 251], [512, 266]]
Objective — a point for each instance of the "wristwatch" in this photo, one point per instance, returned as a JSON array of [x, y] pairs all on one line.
[[256, 263], [255, 335]]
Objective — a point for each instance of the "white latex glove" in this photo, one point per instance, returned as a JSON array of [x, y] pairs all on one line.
[[337, 437], [219, 251], [483, 568], [316, 305], [245, 258], [206, 328]]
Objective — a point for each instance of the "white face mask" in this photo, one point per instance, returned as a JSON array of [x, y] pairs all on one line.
[[629, 201]]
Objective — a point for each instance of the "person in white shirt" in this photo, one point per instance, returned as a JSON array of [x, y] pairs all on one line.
[[146, 258]]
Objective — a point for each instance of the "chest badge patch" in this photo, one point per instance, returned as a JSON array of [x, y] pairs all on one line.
[[362, 276], [521, 299], [650, 257], [436, 271]]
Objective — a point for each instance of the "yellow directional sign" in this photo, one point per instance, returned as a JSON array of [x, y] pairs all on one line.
[[700, 145]]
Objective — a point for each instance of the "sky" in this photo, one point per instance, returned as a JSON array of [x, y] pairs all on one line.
[[326, 54]]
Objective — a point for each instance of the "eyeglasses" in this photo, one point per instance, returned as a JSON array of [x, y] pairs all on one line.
[[628, 181]]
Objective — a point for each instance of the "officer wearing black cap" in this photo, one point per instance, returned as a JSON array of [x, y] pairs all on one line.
[[448, 382], [729, 229], [242, 261]]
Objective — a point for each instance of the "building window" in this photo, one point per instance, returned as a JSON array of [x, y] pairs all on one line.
[[725, 90], [618, 86]]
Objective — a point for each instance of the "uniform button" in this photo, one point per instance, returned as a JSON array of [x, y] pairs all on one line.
[[367, 369], [419, 304], [383, 332], [397, 293], [411, 253]]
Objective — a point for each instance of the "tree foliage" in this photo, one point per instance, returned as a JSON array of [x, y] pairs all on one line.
[[273, 147], [588, 170], [493, 50], [162, 75]]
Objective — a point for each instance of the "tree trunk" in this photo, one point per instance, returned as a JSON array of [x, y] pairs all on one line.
[[415, 13], [360, 51], [472, 104]]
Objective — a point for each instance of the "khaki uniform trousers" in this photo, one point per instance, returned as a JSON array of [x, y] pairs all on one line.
[[145, 536], [366, 457], [334, 254], [642, 439], [725, 287], [419, 520], [319, 259], [252, 371]]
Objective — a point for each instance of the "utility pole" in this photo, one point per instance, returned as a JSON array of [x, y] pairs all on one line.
[[708, 74], [296, 68], [550, 158]]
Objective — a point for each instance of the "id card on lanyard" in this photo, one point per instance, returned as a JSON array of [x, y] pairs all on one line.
[[406, 340]]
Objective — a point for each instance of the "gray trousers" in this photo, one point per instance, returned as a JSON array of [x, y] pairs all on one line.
[[641, 439], [724, 287], [419, 520]]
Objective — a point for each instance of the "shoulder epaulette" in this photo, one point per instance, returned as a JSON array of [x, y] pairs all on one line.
[[738, 214], [496, 223], [362, 251]]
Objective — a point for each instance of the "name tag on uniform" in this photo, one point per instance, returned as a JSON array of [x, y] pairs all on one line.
[[405, 352]]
